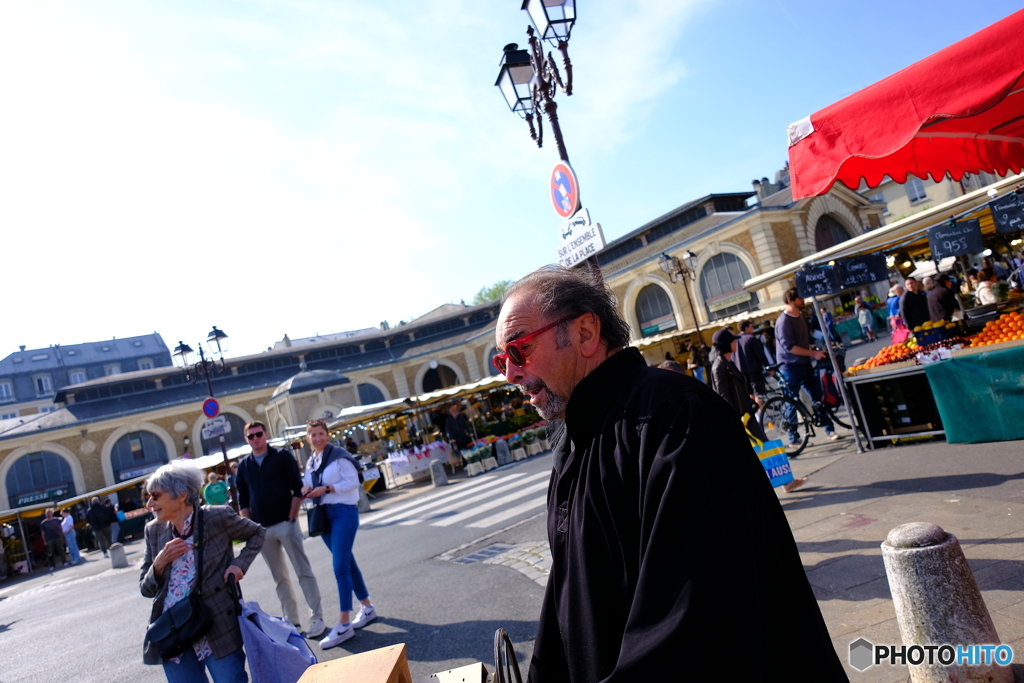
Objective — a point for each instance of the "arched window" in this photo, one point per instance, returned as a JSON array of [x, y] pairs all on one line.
[[654, 311], [369, 394], [440, 377], [721, 285], [828, 233], [37, 478], [233, 437], [136, 454]]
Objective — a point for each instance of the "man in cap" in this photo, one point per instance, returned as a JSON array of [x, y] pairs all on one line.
[[651, 565]]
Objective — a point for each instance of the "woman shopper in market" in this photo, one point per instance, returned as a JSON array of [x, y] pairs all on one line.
[[332, 478], [866, 319], [216, 491], [731, 385], [170, 571], [987, 278]]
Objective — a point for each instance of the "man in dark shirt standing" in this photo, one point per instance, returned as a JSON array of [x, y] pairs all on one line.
[[914, 305], [751, 360], [941, 300], [100, 518], [270, 493], [53, 534], [651, 566], [456, 427], [793, 351]]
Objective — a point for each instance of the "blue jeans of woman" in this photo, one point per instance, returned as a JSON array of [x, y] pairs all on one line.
[[802, 375], [72, 538], [341, 534], [229, 669]]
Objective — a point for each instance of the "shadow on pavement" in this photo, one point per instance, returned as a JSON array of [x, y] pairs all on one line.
[[438, 642]]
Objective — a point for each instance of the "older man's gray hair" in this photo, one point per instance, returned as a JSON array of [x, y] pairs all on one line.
[[175, 478]]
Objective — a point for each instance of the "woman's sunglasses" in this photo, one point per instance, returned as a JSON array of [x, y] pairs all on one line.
[[514, 349]]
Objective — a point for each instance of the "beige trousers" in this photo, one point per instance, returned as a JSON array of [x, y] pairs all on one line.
[[286, 537]]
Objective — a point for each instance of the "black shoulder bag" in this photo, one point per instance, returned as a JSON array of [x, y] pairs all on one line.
[[182, 625], [316, 516]]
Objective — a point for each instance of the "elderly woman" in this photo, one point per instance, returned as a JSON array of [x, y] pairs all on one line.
[[332, 478], [169, 571]]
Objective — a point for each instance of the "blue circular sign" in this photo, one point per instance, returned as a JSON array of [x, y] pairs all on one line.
[[211, 408]]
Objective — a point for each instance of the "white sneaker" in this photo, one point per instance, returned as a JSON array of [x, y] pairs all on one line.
[[365, 616], [832, 436], [317, 629], [338, 635]]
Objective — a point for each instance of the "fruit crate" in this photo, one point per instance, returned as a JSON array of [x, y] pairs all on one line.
[[926, 337]]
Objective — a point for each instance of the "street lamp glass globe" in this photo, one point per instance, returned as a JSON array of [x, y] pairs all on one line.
[[665, 262], [516, 79], [553, 19], [691, 260], [183, 352], [218, 338]]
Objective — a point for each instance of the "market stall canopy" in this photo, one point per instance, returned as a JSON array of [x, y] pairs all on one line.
[[755, 314], [887, 236], [960, 110]]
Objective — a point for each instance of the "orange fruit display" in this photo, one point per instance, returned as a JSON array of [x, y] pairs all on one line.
[[1008, 327]]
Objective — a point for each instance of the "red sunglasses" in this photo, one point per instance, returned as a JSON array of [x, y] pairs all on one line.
[[514, 349]]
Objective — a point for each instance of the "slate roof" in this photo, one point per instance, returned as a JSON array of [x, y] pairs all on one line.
[[70, 355]]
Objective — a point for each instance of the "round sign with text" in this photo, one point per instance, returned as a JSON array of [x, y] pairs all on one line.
[[565, 190], [211, 408]]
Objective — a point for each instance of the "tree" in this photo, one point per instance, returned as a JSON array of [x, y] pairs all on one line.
[[492, 293]]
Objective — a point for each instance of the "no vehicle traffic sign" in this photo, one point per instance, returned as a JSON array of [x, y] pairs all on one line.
[[565, 190], [211, 408]]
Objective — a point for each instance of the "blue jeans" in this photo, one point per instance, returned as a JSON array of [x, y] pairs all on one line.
[[72, 539], [229, 669], [343, 521], [802, 375]]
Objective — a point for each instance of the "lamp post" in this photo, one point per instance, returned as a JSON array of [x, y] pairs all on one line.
[[529, 79], [686, 273], [206, 368]]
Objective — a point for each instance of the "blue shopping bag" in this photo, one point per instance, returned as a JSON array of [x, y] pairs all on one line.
[[775, 462], [275, 651]]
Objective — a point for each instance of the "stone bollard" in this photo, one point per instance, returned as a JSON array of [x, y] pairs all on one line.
[[117, 556], [937, 602], [364, 500], [438, 477]]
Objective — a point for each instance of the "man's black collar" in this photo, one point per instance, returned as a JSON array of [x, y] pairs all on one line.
[[594, 390]]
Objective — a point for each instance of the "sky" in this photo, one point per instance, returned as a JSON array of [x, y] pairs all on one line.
[[310, 167]]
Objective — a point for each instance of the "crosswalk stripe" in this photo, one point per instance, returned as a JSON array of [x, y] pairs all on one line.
[[462, 503], [510, 513], [465, 490], [448, 521]]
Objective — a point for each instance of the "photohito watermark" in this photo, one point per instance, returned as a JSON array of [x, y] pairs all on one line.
[[864, 654]]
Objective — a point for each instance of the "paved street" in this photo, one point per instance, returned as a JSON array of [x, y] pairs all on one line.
[[447, 567]]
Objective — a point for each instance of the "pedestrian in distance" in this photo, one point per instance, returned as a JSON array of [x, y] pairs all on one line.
[[795, 355], [332, 479], [170, 571], [913, 305], [941, 300], [651, 564], [67, 525], [866, 319], [115, 524], [751, 359], [456, 428], [100, 517], [215, 492], [270, 493], [53, 535]]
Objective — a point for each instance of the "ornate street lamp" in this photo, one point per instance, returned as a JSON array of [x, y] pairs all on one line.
[[686, 273], [206, 368], [552, 21]]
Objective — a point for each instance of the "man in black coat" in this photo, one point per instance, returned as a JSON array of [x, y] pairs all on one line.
[[653, 568], [941, 300], [914, 305], [100, 518]]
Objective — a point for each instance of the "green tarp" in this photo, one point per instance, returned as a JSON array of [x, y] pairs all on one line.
[[981, 396]]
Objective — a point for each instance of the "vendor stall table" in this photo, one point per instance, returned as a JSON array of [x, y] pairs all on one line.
[[896, 405], [980, 395]]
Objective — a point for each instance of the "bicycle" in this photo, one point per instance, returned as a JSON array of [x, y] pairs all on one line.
[[773, 420]]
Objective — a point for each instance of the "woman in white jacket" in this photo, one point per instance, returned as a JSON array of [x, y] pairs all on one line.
[[986, 279], [336, 485]]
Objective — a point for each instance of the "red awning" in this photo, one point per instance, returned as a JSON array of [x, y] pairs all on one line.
[[961, 110]]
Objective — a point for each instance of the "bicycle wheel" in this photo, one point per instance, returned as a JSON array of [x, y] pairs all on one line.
[[776, 425]]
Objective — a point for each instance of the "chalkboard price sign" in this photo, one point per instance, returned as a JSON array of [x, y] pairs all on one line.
[[964, 237], [817, 282], [858, 271], [1008, 213]]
